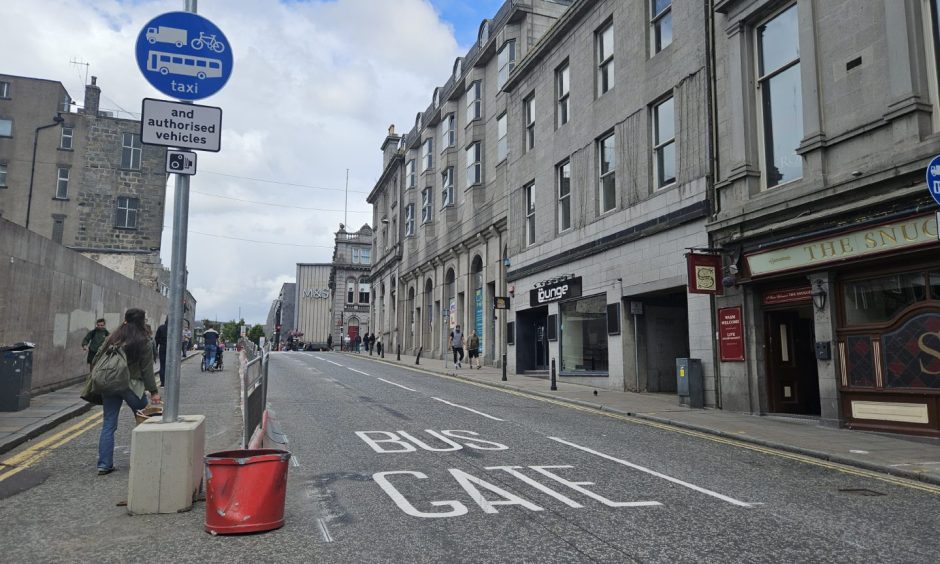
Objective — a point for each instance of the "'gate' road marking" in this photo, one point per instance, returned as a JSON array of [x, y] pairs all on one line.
[[394, 384], [722, 497], [468, 409], [359, 371]]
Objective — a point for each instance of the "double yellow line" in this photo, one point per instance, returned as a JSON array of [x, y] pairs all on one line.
[[23, 460]]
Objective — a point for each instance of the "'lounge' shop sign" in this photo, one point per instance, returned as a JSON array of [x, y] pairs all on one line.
[[555, 290]]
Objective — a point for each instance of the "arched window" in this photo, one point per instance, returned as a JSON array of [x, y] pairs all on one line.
[[458, 68], [484, 32], [476, 283]]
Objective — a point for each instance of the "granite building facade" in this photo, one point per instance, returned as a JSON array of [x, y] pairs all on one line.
[[92, 185], [350, 289]]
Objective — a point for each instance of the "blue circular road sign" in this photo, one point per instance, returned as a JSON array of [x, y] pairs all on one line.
[[184, 55], [933, 178]]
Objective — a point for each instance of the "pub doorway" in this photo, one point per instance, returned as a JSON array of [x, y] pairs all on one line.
[[792, 375]]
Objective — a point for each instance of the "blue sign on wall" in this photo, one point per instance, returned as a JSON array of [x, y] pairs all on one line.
[[184, 55], [933, 178]]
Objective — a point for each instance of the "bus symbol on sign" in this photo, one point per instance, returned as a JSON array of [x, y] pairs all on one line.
[[184, 55]]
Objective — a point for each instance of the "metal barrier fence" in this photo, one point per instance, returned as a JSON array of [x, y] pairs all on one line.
[[254, 393]]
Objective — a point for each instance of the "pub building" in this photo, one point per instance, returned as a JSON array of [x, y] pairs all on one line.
[[842, 323]]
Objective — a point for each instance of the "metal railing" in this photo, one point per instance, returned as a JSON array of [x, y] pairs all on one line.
[[254, 379]]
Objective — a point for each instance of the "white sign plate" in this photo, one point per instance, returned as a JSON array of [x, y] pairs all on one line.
[[181, 162], [175, 124]]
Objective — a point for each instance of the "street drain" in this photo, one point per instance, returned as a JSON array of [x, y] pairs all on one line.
[[860, 491]]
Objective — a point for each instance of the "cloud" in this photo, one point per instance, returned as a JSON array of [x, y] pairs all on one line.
[[314, 88]]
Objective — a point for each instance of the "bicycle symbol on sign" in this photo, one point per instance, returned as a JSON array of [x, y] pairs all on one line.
[[207, 40]]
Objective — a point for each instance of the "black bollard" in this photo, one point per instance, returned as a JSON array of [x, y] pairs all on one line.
[[399, 353], [418, 358], [504, 368], [554, 386]]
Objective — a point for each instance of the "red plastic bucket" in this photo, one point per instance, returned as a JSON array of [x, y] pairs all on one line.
[[245, 490]]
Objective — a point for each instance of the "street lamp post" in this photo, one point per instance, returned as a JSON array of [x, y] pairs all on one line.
[[57, 120]]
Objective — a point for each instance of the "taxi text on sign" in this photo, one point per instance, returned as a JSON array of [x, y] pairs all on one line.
[[184, 55], [177, 124]]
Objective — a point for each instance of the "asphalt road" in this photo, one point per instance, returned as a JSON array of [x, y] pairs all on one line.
[[392, 465]]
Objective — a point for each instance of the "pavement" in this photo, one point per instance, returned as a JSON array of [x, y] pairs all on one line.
[[916, 458], [44, 413]]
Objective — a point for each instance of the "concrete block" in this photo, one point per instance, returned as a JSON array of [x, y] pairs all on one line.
[[166, 465]]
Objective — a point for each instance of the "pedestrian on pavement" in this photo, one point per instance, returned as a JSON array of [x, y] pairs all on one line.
[[187, 340], [93, 340], [473, 349], [210, 344], [456, 343], [160, 339], [132, 337], [329, 342], [369, 343], [358, 342], [378, 346]]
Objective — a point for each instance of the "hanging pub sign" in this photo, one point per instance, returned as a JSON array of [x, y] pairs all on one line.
[[731, 334], [555, 289], [704, 273]]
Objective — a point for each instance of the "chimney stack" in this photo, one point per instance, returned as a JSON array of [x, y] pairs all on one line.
[[92, 97], [390, 146]]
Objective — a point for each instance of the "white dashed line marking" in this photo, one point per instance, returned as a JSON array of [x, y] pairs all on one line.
[[700, 489], [324, 532], [394, 384], [468, 409], [336, 363], [359, 371]]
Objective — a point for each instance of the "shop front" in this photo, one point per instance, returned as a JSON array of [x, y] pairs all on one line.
[[850, 325]]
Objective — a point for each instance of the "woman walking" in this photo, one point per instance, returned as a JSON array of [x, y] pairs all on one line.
[[132, 336]]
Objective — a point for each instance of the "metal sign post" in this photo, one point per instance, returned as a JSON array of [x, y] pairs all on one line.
[[187, 57]]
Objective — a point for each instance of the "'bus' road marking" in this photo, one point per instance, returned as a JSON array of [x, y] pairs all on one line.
[[722, 497], [359, 371], [468, 409], [295, 461], [336, 363], [394, 384]]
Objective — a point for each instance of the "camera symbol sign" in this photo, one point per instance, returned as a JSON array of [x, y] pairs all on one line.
[[181, 162]]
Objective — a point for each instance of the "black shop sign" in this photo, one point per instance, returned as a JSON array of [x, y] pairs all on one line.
[[555, 290]]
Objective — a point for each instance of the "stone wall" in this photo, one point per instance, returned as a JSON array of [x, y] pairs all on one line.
[[51, 296]]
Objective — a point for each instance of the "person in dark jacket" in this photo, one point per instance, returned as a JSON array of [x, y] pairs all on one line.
[[160, 339], [329, 342], [92, 341], [133, 338]]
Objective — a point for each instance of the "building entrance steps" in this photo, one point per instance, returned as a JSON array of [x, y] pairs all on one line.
[[916, 458]]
